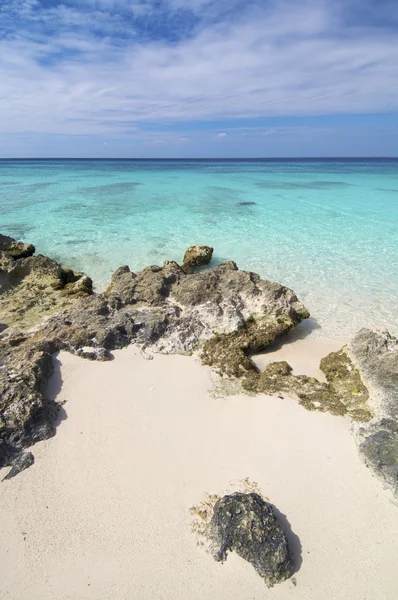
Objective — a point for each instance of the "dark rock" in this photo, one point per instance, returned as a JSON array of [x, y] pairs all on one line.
[[14, 248], [246, 204], [247, 525], [197, 256], [22, 461], [26, 414], [375, 355], [380, 453]]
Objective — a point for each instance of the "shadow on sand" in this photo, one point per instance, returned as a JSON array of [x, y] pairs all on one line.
[[303, 330], [54, 387], [293, 540]]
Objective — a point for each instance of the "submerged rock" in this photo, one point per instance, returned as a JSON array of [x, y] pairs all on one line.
[[246, 204], [197, 256], [247, 525]]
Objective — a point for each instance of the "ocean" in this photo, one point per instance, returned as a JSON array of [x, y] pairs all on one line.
[[326, 228]]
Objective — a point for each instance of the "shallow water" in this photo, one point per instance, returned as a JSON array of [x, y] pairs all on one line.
[[328, 229]]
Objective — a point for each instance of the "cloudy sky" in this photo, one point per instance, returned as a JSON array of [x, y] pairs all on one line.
[[142, 78]]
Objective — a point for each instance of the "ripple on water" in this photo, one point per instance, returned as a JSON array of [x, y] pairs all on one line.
[[327, 230]]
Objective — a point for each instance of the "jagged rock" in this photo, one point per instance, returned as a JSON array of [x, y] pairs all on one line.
[[197, 256], [375, 354], [344, 392], [225, 313], [81, 287], [22, 461], [162, 309], [34, 287], [14, 248], [26, 414], [247, 525], [259, 312]]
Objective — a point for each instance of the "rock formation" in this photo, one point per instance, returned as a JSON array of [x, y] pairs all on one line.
[[375, 354], [163, 309], [247, 525], [33, 287], [14, 248], [197, 256], [224, 314]]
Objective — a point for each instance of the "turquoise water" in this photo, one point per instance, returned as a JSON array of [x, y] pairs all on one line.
[[328, 229]]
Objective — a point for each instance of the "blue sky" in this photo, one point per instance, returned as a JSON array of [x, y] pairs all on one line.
[[181, 78]]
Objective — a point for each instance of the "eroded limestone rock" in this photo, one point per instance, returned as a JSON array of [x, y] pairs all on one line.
[[26, 414], [343, 393], [14, 248], [247, 525], [33, 287], [375, 354], [162, 309], [197, 256]]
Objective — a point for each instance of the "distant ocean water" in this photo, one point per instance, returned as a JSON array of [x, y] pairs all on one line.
[[326, 228]]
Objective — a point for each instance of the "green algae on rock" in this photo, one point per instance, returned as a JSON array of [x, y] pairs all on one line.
[[346, 380], [343, 393]]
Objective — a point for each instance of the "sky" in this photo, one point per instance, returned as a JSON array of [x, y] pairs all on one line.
[[198, 78]]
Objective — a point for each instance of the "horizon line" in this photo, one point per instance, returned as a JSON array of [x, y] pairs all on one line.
[[237, 158]]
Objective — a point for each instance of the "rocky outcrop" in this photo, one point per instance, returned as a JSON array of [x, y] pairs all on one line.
[[14, 248], [197, 256], [343, 394], [362, 383], [33, 287], [375, 354], [247, 525], [224, 314], [163, 309], [26, 415]]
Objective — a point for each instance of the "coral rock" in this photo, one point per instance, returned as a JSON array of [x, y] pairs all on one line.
[[247, 525], [197, 256]]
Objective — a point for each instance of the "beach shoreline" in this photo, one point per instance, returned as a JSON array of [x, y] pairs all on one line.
[[173, 388], [105, 510]]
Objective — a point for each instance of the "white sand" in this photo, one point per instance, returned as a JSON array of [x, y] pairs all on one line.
[[104, 512], [301, 351]]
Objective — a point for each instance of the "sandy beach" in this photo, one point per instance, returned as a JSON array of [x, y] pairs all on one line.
[[105, 510]]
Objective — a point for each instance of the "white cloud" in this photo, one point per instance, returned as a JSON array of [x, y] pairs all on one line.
[[222, 135], [292, 59]]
